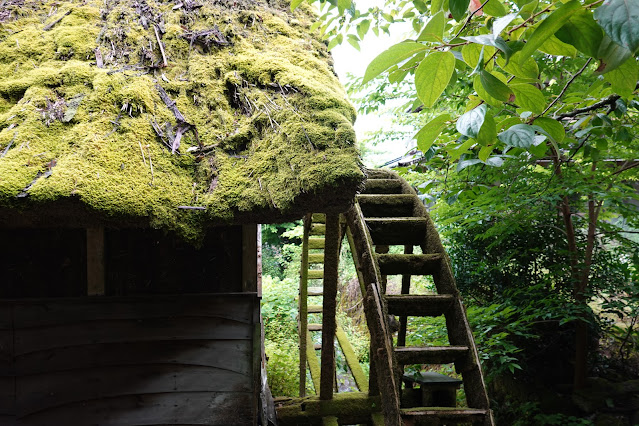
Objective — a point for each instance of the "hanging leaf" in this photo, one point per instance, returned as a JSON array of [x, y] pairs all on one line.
[[519, 135], [488, 132], [392, 56], [482, 93], [295, 3], [429, 133], [527, 69], [582, 32], [551, 128], [494, 8], [500, 24], [458, 8], [433, 75], [556, 47], [434, 29], [548, 27], [494, 87], [624, 79], [620, 21], [611, 55], [529, 97], [362, 28], [470, 123]]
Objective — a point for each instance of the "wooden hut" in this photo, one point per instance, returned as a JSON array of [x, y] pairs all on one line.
[[141, 142]]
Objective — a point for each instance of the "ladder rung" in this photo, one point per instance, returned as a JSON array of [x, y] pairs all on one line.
[[317, 346], [457, 415], [383, 186], [316, 243], [318, 218], [430, 354], [397, 230], [419, 305], [315, 258], [315, 327], [413, 264], [386, 205], [318, 229], [315, 309], [315, 274], [315, 291]]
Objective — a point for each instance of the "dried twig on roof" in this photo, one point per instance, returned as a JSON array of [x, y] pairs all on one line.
[[183, 126], [54, 23], [206, 38]]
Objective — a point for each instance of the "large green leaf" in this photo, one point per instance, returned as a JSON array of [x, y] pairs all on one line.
[[433, 75], [624, 79], [458, 8], [582, 32], [491, 40], [494, 8], [392, 56], [429, 133], [494, 87], [620, 20], [519, 135], [529, 97], [434, 29], [526, 69], [470, 123], [551, 128], [548, 27], [611, 55], [488, 132], [295, 3], [556, 47], [482, 93]]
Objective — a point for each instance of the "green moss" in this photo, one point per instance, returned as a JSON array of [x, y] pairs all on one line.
[[267, 100]]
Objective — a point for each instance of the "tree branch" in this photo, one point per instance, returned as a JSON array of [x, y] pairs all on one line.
[[609, 101], [563, 91]]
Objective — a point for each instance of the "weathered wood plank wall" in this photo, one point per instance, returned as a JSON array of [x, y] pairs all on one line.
[[161, 360]]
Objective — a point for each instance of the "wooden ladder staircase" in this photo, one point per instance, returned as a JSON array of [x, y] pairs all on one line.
[[312, 270], [389, 213]]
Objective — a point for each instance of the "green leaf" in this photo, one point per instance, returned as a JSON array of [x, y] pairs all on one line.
[[620, 21], [434, 29], [529, 97], [548, 27], [556, 47], [551, 128], [392, 56], [500, 24], [582, 32], [494, 8], [527, 69], [335, 41], [488, 132], [362, 28], [342, 5], [458, 8], [485, 152], [495, 87], [491, 40], [482, 93], [624, 79], [611, 55], [432, 76], [519, 135], [470, 123], [429, 133], [461, 149], [295, 3]]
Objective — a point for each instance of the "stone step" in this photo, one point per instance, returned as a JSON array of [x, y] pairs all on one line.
[[386, 205], [431, 305], [397, 230], [383, 186], [430, 354], [409, 264]]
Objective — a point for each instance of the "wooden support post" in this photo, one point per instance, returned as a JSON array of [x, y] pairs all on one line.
[[331, 263], [95, 262], [249, 258], [303, 308], [403, 321], [259, 261]]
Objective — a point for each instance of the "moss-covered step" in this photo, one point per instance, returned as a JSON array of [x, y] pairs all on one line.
[[349, 408], [316, 243], [413, 264], [315, 258], [379, 174], [387, 205], [444, 415], [423, 305], [318, 218], [383, 186], [315, 274], [397, 230], [318, 229], [430, 354]]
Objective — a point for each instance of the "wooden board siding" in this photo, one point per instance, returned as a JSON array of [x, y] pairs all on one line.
[[148, 360]]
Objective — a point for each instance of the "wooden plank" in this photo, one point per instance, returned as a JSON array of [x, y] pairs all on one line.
[[259, 261], [196, 408], [7, 396], [430, 354], [51, 312], [403, 320], [96, 332], [229, 354], [45, 391], [95, 262], [331, 274], [351, 360], [316, 243], [249, 258], [313, 362], [258, 355], [303, 308]]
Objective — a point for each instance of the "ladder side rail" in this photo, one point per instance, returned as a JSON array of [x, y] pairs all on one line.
[[303, 307]]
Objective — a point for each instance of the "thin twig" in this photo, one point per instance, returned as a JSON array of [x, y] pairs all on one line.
[[54, 23], [15, 135], [142, 151], [157, 35], [469, 18], [563, 91]]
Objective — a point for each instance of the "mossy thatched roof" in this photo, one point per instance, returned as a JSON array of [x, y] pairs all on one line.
[[137, 108]]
